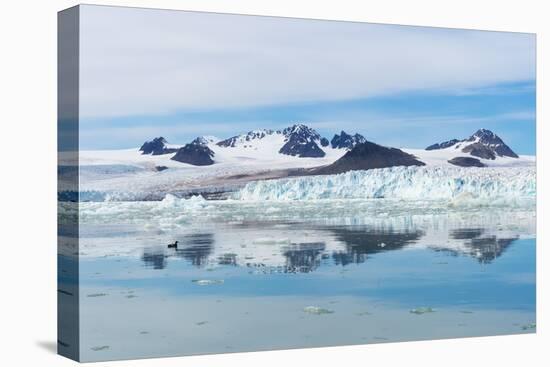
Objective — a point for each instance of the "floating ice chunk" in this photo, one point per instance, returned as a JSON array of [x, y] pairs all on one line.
[[422, 310], [382, 244], [364, 313], [530, 326], [464, 197], [270, 240], [96, 295], [207, 281], [99, 348], [314, 310]]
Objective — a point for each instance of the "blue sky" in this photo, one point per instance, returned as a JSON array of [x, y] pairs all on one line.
[[148, 73], [412, 120]]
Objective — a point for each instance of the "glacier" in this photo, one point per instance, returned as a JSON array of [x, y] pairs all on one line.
[[406, 183]]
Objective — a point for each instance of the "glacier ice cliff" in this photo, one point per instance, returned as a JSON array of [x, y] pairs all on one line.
[[416, 183]]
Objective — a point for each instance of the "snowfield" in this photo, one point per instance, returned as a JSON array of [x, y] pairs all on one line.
[[441, 156]]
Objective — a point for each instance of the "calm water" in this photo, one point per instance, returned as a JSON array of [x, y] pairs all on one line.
[[235, 284]]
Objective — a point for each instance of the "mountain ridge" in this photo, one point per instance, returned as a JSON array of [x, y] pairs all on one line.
[[483, 144], [302, 141]]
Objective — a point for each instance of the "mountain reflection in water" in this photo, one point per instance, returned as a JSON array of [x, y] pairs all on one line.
[[330, 245]]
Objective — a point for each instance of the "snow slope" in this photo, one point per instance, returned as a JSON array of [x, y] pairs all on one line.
[[129, 171], [440, 157]]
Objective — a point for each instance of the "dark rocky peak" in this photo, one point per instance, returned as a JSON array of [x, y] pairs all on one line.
[[493, 142], [486, 137], [302, 141], [346, 141], [302, 131], [248, 137], [443, 145], [366, 156], [157, 146], [202, 140], [195, 153]]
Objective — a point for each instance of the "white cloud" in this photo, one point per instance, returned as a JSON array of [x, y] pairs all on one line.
[[138, 61]]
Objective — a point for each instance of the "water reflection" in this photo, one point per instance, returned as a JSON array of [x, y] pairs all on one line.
[[303, 257], [303, 249], [196, 248], [479, 245], [360, 243], [154, 258]]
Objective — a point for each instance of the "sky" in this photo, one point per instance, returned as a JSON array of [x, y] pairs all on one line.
[[147, 73]]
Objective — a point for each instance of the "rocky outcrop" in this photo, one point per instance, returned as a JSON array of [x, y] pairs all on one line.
[[195, 154], [466, 162], [346, 141], [157, 146], [443, 145], [245, 138], [366, 156], [479, 150]]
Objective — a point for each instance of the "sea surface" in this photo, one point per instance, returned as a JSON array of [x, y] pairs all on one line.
[[263, 275]]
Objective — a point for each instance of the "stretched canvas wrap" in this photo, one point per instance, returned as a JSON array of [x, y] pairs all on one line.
[[234, 183]]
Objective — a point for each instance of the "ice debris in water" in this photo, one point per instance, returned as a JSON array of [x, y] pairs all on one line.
[[207, 281], [269, 240], [96, 295], [461, 185], [97, 349], [530, 326], [364, 313], [422, 310], [314, 310]]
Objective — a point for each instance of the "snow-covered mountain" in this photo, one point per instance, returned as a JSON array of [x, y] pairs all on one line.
[[483, 144], [303, 141], [205, 140], [298, 140], [209, 165], [247, 140]]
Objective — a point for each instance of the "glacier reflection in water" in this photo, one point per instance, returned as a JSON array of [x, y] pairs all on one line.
[[300, 275]]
